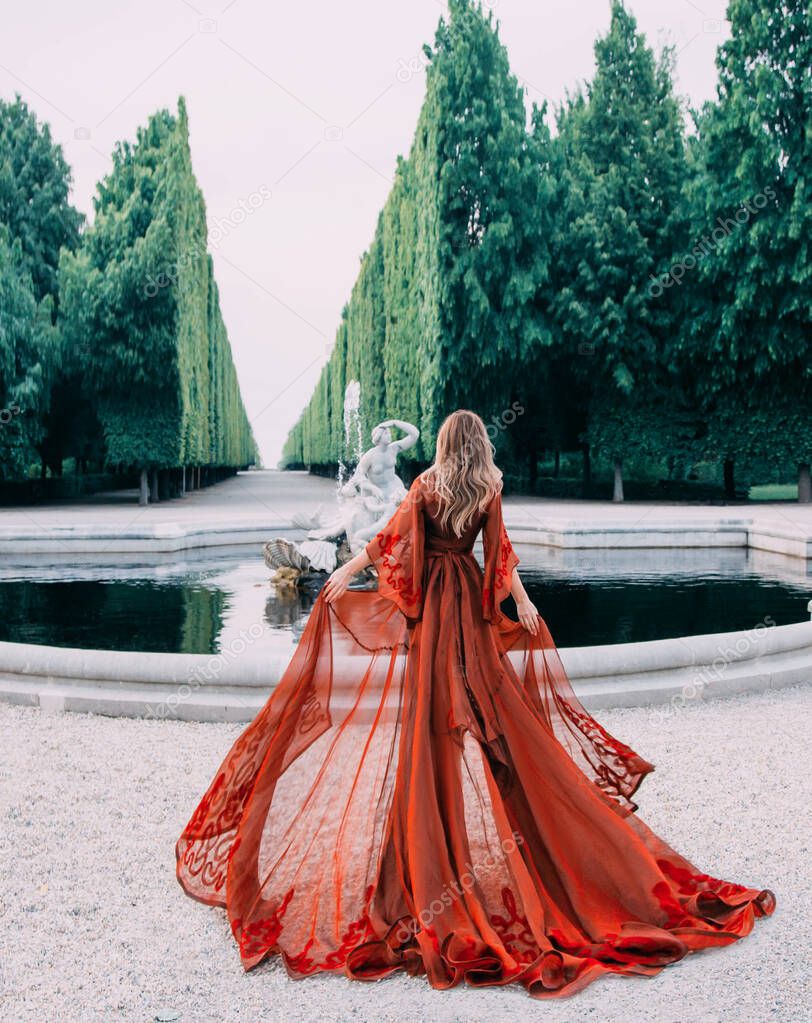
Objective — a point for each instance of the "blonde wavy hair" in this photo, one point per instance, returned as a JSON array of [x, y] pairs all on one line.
[[464, 475]]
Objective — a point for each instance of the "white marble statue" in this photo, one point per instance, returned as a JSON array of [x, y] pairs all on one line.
[[366, 502], [375, 490]]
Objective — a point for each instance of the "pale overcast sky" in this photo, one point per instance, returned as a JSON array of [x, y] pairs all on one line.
[[297, 113]]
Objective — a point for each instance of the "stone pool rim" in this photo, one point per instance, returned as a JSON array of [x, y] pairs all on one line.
[[233, 686], [186, 686], [550, 530]]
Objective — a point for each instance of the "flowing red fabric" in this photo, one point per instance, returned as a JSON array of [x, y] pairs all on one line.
[[424, 791]]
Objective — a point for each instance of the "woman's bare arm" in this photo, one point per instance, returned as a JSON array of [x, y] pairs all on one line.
[[527, 611]]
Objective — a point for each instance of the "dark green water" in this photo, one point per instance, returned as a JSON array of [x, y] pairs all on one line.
[[202, 605], [581, 613], [178, 618]]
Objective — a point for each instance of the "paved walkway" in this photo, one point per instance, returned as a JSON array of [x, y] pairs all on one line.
[[269, 498], [95, 927]]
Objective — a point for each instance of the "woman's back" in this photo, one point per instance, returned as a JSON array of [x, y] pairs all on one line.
[[441, 536]]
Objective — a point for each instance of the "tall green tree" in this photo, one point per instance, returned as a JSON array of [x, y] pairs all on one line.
[[622, 160], [28, 360], [543, 383], [490, 214], [749, 335], [35, 183], [141, 313]]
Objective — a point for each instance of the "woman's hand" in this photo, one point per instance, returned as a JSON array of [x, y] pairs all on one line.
[[337, 583], [528, 615]]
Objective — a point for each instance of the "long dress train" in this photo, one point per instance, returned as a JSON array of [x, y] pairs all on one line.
[[424, 791]]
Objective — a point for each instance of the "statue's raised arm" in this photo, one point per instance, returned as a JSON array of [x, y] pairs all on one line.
[[403, 443]]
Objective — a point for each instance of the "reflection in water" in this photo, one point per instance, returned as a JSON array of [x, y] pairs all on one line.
[[113, 616], [202, 602], [286, 607]]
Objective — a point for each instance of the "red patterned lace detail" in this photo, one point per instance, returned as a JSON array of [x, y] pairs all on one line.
[[514, 930], [503, 569], [211, 830], [396, 576], [357, 933], [503, 574], [262, 936], [619, 766], [691, 884], [688, 885]]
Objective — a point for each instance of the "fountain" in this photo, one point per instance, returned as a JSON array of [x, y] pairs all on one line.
[[366, 501], [353, 430]]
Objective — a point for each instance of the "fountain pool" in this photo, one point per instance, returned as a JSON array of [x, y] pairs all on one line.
[[204, 601]]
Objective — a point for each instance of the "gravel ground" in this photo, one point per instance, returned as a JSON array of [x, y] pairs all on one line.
[[93, 925]]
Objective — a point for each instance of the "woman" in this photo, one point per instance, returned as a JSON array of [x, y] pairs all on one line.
[[424, 791]]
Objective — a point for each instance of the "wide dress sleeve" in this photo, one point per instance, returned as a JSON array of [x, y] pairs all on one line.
[[397, 553], [500, 560]]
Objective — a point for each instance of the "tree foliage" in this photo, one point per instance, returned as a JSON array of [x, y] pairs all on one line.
[[35, 182], [141, 313], [748, 336], [620, 154], [28, 360], [36, 222], [589, 277], [441, 312]]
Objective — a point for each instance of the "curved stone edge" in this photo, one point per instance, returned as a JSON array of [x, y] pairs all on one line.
[[773, 536], [163, 538], [667, 673]]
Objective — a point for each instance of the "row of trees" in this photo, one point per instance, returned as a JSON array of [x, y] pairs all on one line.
[[36, 223], [113, 349], [634, 289]]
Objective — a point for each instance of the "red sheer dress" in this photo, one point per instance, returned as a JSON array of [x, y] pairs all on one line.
[[424, 791]]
